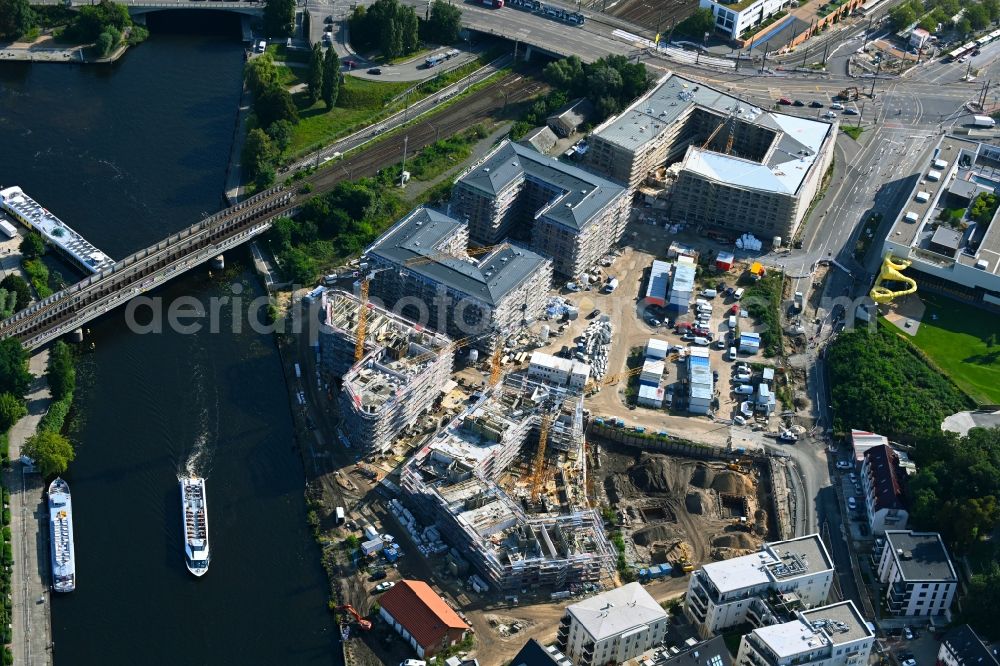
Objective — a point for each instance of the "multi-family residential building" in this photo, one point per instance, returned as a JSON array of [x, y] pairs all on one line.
[[861, 441], [571, 215], [535, 654], [692, 652], [882, 480], [453, 482], [963, 647], [399, 377], [835, 635], [720, 594], [732, 19], [917, 572], [735, 166], [959, 256], [612, 627], [420, 268]]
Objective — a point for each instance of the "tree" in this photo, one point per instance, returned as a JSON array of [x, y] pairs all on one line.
[[409, 29], [11, 410], [14, 375], [259, 153], [16, 18], [983, 207], [8, 303], [964, 26], [445, 22], [16, 285], [32, 245], [902, 17], [565, 74], [105, 42], [260, 73], [279, 15], [314, 79], [979, 16], [275, 104], [280, 132], [992, 8], [51, 451], [61, 370], [386, 25], [697, 24], [980, 603], [331, 79]]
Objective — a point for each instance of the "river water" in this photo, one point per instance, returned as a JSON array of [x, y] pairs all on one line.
[[128, 154]]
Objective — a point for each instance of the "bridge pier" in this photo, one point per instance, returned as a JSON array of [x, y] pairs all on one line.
[[139, 19], [246, 28], [218, 263], [76, 335]]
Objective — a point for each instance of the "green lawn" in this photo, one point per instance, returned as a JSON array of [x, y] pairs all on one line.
[[360, 101], [959, 342]]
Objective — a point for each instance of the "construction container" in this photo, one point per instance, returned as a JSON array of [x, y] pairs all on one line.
[[372, 546]]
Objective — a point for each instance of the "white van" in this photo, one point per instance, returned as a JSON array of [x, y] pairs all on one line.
[[738, 294], [709, 293], [837, 106], [742, 378], [703, 342], [261, 46], [732, 322], [731, 354], [746, 389]]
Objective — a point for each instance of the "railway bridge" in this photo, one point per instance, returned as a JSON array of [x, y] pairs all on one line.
[[70, 308]]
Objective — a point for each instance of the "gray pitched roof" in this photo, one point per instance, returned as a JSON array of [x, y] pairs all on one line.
[[420, 233], [577, 195]]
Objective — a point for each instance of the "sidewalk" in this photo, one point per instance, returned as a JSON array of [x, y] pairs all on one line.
[[234, 172], [31, 624]]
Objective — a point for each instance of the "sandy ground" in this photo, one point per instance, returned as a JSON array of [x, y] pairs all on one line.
[[906, 313]]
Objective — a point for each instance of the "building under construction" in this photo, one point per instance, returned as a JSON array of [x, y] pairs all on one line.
[[470, 479], [401, 374], [424, 268]]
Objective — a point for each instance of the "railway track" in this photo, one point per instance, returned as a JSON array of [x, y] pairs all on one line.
[[152, 266]]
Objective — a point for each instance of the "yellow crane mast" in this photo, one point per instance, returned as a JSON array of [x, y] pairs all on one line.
[[538, 467], [362, 330]]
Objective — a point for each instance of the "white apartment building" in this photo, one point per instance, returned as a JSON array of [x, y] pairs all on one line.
[[612, 627], [732, 18], [962, 647], [917, 572], [720, 594], [882, 479], [559, 371], [835, 635]]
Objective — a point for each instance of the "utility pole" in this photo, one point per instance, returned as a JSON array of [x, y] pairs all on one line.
[[968, 71], [402, 173], [826, 47], [670, 36], [868, 32], [763, 63], [861, 115], [878, 70]]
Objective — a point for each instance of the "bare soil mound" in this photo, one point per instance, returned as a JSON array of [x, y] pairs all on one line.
[[652, 474], [694, 503], [728, 482], [655, 534], [739, 540], [618, 487]]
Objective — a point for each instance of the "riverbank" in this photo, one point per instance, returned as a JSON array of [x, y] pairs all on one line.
[[31, 622]]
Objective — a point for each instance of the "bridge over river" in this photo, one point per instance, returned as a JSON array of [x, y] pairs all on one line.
[[67, 310]]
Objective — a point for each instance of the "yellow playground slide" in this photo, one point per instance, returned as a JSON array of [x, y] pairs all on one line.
[[890, 272]]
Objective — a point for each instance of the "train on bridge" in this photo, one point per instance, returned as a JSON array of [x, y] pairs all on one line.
[[548, 11]]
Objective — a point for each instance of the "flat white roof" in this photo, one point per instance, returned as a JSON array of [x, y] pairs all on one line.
[[569, 366], [739, 572]]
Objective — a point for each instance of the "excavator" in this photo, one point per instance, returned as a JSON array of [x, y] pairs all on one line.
[[362, 622], [890, 272]]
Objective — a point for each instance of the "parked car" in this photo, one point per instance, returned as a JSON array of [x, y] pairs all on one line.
[[785, 101], [375, 70], [739, 420], [851, 112], [413, 662], [909, 662], [741, 378], [816, 105], [908, 633], [715, 375], [652, 321], [687, 337], [378, 574], [720, 344], [843, 464], [328, 19], [385, 585], [698, 340], [837, 106], [594, 313], [798, 102], [830, 115], [852, 503]]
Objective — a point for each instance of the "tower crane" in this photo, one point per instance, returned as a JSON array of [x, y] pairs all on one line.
[[538, 466], [612, 379]]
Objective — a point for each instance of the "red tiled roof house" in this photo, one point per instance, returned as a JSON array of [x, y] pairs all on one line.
[[422, 617]]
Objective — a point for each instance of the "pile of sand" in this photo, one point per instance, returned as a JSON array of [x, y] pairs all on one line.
[[694, 503], [655, 534], [652, 474], [740, 540], [618, 487], [728, 482]]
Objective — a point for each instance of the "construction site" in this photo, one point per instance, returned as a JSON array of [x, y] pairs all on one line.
[[680, 511], [506, 481], [397, 374]]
